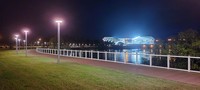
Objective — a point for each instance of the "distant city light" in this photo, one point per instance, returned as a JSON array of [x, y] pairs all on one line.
[[157, 40], [144, 46], [160, 46], [151, 46], [169, 39], [130, 41]]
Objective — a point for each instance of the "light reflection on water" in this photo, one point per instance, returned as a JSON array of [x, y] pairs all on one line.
[[135, 56]]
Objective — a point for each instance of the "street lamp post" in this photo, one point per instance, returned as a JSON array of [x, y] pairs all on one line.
[[16, 38], [26, 31], [24, 43], [58, 51], [19, 43]]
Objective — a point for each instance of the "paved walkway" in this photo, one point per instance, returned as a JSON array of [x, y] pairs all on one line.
[[180, 76]]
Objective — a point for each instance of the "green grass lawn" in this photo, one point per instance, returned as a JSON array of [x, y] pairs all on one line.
[[40, 73]]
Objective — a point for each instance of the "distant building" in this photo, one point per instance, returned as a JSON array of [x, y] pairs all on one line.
[[130, 41]]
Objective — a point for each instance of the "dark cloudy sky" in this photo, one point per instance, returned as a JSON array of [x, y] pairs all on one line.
[[94, 19]]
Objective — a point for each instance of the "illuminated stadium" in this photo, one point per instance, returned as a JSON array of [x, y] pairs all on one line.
[[130, 41]]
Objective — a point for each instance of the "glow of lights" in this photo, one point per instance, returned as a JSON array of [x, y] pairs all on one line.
[[16, 35], [169, 39], [160, 46], [26, 31], [151, 46], [58, 21], [144, 46], [157, 40]]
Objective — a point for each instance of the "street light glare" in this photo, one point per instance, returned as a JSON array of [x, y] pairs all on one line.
[[58, 21], [26, 31], [16, 35]]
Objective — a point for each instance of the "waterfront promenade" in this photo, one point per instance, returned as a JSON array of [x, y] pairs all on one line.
[[180, 76]]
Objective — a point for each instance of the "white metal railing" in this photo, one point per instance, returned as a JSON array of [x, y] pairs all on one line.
[[143, 59]]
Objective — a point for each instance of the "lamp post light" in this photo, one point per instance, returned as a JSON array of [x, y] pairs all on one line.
[[58, 51], [26, 31], [16, 38]]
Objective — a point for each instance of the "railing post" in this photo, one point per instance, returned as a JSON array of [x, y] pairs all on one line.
[[136, 61], [150, 60], [80, 54], [115, 56], [60, 52], [64, 52], [91, 54], [71, 53], [189, 65], [98, 55], [105, 56], [168, 61], [124, 57], [75, 53], [85, 54], [67, 52]]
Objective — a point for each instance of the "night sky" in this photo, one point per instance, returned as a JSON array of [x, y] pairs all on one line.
[[94, 19]]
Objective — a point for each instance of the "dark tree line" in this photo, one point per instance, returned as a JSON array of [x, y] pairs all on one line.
[[187, 43]]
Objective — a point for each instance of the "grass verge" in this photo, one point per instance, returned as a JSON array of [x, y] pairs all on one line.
[[18, 72]]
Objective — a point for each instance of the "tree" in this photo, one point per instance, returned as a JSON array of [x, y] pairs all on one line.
[[187, 43], [188, 37]]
